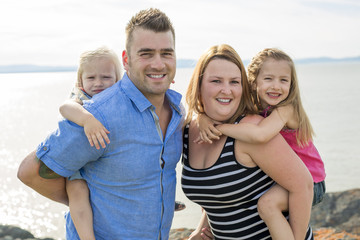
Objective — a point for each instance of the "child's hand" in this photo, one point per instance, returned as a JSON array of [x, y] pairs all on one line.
[[96, 133], [208, 131]]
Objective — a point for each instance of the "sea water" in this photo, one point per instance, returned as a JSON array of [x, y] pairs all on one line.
[[29, 105]]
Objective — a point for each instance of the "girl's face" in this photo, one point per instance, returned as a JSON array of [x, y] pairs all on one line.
[[98, 75], [221, 89], [273, 82]]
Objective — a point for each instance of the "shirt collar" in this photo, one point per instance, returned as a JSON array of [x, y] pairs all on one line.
[[141, 102]]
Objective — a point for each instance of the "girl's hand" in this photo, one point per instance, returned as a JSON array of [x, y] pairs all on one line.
[[208, 131], [96, 132]]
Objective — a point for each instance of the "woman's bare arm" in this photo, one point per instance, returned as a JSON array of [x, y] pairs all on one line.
[[280, 162]]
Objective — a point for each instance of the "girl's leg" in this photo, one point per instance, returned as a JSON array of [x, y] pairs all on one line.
[[80, 208], [270, 208]]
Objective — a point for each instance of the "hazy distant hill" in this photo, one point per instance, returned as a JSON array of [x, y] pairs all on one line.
[[181, 63]]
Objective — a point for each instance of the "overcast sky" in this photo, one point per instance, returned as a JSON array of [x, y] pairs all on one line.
[[49, 32]]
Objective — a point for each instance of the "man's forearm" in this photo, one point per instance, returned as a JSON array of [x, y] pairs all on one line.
[[53, 187]]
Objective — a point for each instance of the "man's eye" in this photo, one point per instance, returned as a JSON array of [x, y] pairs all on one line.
[[145, 54], [167, 54]]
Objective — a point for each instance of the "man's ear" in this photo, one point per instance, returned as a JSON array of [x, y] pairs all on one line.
[[125, 60]]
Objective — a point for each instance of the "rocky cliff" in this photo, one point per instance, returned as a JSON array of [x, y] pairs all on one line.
[[336, 217]]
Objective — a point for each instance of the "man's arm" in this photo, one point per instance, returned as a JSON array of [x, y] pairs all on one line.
[[53, 187]]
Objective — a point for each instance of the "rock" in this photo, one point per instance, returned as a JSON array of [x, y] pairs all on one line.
[[14, 232], [8, 232], [180, 233], [338, 210]]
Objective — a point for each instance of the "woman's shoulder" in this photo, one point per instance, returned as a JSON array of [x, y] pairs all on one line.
[[193, 126]]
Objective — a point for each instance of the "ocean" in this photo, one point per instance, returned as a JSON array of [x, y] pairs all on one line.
[[29, 105]]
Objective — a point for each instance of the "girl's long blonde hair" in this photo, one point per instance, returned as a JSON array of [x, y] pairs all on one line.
[[305, 131], [193, 98]]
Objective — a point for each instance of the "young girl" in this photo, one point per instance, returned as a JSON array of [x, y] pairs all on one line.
[[98, 70], [276, 94]]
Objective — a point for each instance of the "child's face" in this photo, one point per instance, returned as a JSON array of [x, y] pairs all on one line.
[[98, 75], [273, 82]]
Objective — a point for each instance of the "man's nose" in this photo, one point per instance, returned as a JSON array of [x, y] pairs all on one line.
[[157, 62]]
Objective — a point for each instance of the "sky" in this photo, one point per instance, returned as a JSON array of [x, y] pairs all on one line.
[[55, 32]]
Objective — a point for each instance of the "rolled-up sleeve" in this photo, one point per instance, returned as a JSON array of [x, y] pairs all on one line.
[[67, 149]]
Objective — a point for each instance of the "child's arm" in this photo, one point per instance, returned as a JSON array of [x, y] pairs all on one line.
[[94, 130], [261, 133], [208, 131]]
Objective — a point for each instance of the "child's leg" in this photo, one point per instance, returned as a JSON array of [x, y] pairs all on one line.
[[80, 208], [270, 207]]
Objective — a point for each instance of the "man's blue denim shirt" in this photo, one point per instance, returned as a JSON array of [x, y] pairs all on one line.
[[132, 196]]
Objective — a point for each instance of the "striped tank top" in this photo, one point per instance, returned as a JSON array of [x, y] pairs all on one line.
[[228, 192]]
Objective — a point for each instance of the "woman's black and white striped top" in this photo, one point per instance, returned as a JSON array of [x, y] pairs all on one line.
[[228, 192]]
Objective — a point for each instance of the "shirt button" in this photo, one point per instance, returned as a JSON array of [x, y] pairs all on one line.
[[44, 148]]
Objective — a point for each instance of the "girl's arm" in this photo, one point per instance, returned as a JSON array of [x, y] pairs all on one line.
[[280, 162], [262, 132], [94, 130]]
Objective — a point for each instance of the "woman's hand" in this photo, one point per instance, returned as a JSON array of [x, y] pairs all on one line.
[[204, 234], [96, 132]]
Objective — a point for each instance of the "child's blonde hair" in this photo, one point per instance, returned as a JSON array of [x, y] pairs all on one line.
[[89, 56], [305, 131]]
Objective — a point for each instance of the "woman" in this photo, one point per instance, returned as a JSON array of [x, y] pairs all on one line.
[[228, 177]]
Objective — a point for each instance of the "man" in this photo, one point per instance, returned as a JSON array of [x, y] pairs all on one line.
[[131, 181]]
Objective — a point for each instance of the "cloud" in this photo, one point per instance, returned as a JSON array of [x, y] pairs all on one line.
[[56, 32]]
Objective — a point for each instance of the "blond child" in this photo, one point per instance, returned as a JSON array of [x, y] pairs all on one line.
[[98, 70], [276, 94]]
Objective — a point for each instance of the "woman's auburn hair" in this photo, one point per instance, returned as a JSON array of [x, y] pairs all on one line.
[[193, 96]]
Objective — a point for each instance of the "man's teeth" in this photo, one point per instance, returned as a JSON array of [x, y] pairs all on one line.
[[156, 76], [223, 100]]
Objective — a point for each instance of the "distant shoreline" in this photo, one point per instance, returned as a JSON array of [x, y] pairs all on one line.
[[181, 63]]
